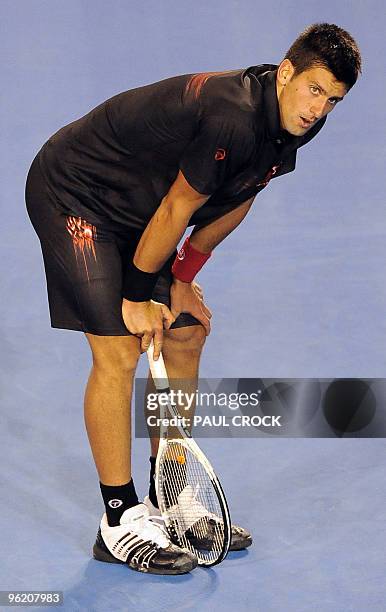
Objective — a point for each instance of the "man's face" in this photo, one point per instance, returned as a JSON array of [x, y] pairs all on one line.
[[307, 97]]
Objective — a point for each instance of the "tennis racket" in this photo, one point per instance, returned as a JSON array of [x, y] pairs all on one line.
[[189, 494]]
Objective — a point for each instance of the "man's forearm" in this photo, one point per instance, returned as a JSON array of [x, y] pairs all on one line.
[[167, 225], [161, 236], [206, 238]]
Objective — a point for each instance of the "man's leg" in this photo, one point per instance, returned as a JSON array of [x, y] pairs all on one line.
[[127, 534], [107, 412], [107, 405]]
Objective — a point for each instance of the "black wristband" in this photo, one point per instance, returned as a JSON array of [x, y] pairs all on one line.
[[138, 285]]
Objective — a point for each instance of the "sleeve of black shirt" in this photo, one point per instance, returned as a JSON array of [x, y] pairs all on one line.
[[218, 151]]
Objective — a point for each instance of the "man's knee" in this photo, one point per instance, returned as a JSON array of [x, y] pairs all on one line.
[[185, 339], [117, 354]]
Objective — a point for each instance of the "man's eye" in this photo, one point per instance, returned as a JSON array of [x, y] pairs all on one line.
[[314, 90], [332, 101]]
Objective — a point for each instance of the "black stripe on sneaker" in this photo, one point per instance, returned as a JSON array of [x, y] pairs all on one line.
[[129, 534], [132, 553], [133, 545], [133, 539]]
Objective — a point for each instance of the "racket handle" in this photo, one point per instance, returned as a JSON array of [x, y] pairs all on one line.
[[157, 369]]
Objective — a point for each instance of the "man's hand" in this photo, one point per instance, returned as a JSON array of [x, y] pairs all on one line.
[[147, 320], [188, 297]]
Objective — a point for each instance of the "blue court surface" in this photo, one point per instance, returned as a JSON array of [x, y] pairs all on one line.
[[298, 290]]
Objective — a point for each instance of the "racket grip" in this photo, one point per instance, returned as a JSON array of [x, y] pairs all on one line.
[[157, 369]]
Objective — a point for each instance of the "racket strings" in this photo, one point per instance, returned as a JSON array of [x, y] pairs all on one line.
[[189, 498]]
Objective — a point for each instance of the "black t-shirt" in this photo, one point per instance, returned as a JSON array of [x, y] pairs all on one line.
[[115, 164]]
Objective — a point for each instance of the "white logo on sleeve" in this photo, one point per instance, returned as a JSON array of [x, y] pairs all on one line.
[[181, 255], [115, 503]]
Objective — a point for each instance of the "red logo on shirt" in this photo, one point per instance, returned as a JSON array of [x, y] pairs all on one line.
[[220, 154]]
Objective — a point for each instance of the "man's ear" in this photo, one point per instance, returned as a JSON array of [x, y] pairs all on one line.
[[285, 72]]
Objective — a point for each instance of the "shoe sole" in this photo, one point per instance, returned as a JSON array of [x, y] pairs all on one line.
[[241, 545], [100, 555]]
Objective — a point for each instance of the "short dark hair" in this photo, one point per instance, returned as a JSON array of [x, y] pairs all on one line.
[[327, 45]]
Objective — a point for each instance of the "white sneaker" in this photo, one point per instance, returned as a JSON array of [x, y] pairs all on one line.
[[186, 513], [240, 537], [142, 544]]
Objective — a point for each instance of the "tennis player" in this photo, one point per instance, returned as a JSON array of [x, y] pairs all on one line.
[[110, 197]]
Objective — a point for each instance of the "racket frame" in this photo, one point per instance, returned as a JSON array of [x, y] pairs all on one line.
[[161, 383]]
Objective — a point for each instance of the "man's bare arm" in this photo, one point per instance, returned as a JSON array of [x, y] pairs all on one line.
[[168, 225], [206, 238]]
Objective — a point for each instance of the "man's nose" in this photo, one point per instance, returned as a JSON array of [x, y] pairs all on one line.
[[317, 108]]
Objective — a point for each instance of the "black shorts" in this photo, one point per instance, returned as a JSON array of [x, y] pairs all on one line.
[[85, 265]]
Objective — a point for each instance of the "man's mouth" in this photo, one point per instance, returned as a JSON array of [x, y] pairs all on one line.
[[306, 123]]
